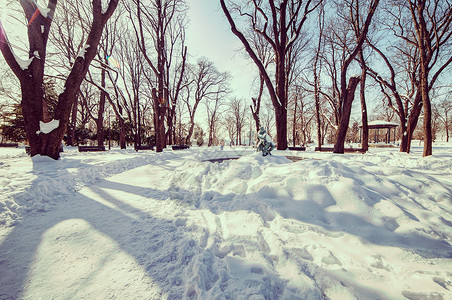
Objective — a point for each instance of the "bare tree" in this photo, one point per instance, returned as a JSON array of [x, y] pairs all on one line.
[[228, 123], [31, 75], [317, 71], [280, 26], [175, 72], [443, 111], [409, 73], [155, 20], [346, 95], [268, 117], [67, 36], [400, 102], [302, 116], [214, 111], [133, 84], [106, 45], [264, 52], [432, 22], [207, 83], [238, 111]]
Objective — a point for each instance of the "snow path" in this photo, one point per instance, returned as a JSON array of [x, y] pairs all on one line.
[[97, 243], [343, 227]]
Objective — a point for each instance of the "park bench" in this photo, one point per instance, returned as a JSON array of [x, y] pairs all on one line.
[[143, 147], [90, 148], [9, 145], [297, 148], [346, 150], [180, 147]]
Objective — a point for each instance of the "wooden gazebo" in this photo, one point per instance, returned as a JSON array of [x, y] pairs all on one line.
[[381, 131]]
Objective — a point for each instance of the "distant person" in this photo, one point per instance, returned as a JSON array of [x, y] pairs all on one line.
[[222, 144]]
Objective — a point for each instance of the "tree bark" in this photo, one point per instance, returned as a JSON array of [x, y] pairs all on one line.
[[347, 93], [362, 93], [101, 110], [255, 108], [345, 119], [31, 78], [413, 119], [294, 123], [71, 132]]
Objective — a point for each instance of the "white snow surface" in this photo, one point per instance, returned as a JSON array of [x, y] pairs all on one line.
[[382, 122], [142, 225], [23, 64], [83, 51], [43, 10], [48, 127]]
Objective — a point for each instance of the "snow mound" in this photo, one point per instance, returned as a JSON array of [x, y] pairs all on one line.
[[194, 224], [349, 201], [36, 184]]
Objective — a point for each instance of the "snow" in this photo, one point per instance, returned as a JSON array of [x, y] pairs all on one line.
[[48, 127], [172, 225], [83, 51], [43, 10], [23, 64], [382, 122]]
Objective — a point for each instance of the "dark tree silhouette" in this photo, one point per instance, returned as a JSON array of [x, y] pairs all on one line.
[[31, 75]]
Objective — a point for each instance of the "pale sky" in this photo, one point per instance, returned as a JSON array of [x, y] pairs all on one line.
[[210, 35]]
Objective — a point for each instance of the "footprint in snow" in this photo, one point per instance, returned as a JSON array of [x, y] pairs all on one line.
[[303, 253], [331, 260], [443, 282], [377, 261]]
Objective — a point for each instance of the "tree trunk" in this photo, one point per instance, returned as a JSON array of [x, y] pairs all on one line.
[[31, 79], [404, 138], [159, 115], [71, 132], [362, 93], [346, 110], [170, 125], [447, 127], [412, 120], [190, 133], [255, 109], [122, 133], [281, 106], [294, 127], [281, 128], [100, 112], [428, 136], [317, 108]]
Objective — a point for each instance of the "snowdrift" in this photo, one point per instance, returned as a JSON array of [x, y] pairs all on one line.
[[182, 225]]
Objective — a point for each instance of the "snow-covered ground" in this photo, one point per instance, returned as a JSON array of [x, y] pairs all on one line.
[[145, 225]]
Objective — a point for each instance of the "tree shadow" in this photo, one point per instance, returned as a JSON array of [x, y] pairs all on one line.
[[137, 233], [317, 214], [160, 246]]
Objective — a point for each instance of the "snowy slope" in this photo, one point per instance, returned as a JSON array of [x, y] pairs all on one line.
[[36, 184], [130, 225]]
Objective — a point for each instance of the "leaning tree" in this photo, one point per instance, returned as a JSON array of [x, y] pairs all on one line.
[[44, 134], [352, 16]]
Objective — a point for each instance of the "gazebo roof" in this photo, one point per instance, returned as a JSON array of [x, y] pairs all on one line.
[[377, 124]]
